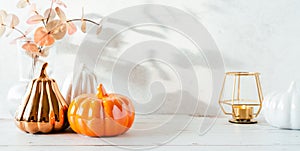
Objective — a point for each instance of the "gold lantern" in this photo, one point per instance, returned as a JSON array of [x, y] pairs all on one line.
[[43, 109], [241, 96]]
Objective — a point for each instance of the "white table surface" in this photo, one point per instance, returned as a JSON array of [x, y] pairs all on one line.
[[221, 136]]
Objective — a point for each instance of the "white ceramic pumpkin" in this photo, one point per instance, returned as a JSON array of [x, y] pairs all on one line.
[[282, 109], [84, 82]]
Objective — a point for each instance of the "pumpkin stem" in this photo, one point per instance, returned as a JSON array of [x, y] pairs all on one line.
[[101, 92], [43, 71]]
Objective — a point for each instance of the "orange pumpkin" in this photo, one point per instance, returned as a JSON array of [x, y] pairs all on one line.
[[101, 114]]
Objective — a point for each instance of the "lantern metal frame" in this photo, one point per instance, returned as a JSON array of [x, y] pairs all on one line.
[[235, 100]]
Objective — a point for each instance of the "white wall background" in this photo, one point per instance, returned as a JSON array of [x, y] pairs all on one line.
[[252, 35]]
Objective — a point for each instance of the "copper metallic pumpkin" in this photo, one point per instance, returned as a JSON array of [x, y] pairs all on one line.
[[101, 114], [43, 109]]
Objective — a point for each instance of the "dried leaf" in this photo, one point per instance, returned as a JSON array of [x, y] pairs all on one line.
[[71, 28], [31, 48], [30, 54], [3, 15], [14, 41], [12, 20], [42, 37], [29, 30], [22, 3], [59, 32], [52, 14], [2, 30], [35, 19], [83, 26], [33, 9], [44, 52], [60, 14], [53, 24], [99, 29], [83, 22], [57, 28], [61, 3], [1, 21]]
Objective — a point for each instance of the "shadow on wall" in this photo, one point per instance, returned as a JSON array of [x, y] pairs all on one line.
[[159, 94], [184, 104], [174, 100]]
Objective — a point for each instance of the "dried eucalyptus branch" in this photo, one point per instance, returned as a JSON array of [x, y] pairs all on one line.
[[54, 27]]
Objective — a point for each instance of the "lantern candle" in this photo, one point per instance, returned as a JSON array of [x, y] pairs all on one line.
[[242, 112]]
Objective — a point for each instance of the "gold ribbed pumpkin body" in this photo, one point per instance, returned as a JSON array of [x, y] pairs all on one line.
[[43, 109]]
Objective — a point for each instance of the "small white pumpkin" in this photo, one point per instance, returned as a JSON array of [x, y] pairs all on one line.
[[84, 82], [282, 109]]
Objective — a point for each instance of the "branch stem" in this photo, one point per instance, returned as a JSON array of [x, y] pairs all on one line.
[[48, 17], [17, 29], [84, 19]]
